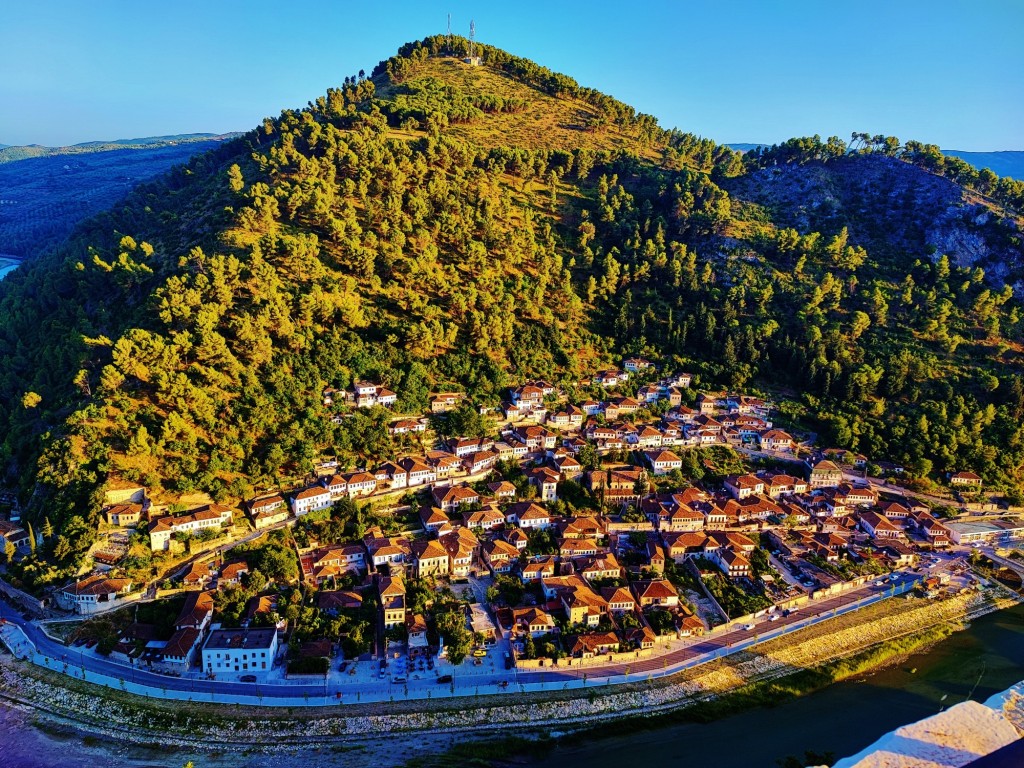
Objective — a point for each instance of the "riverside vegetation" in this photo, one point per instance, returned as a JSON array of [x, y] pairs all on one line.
[[438, 226]]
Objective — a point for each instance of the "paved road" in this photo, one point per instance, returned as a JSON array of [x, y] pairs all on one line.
[[734, 638], [468, 680]]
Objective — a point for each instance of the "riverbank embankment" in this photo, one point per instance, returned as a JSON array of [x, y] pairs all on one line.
[[391, 734]]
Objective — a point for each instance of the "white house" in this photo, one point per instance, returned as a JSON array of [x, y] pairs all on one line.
[[663, 462], [311, 499], [162, 529], [230, 651]]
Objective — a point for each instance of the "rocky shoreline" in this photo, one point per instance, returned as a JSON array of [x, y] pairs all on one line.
[[391, 735]]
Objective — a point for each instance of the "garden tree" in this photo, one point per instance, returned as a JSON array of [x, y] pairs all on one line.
[[331, 244], [31, 538], [589, 458], [9, 550], [450, 621]]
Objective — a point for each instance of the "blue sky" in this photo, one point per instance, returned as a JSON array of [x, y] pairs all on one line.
[[948, 72]]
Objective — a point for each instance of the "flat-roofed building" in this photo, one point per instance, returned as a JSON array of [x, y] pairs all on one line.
[[229, 651]]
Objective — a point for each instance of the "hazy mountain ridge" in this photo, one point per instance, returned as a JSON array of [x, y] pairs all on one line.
[[13, 153], [1003, 163], [46, 196]]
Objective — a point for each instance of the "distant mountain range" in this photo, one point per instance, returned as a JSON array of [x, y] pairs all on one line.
[[1007, 163], [46, 191], [10, 153]]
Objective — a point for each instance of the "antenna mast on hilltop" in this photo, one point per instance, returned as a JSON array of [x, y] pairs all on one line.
[[449, 40], [472, 38]]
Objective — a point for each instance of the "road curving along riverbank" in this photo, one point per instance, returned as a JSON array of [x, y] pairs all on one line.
[[392, 734]]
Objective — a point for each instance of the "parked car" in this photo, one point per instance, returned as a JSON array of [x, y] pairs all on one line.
[[748, 627], [248, 678], [479, 653], [444, 679], [773, 617]]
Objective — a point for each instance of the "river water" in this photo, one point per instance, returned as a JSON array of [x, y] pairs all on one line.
[[842, 719], [8, 265]]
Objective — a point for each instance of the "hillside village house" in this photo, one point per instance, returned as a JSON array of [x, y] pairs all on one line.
[[663, 461], [392, 601], [742, 486], [635, 364], [966, 480], [15, 534], [240, 651], [387, 551], [311, 499], [446, 401], [878, 526], [124, 515], [823, 474], [369, 395], [776, 440], [546, 480], [268, 511], [430, 558], [162, 529], [407, 426], [450, 498], [93, 594], [460, 545]]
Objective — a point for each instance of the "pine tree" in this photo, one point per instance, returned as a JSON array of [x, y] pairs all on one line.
[[9, 549], [31, 537], [47, 528]]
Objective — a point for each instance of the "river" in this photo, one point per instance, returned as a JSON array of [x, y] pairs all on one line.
[[8, 264], [842, 719]]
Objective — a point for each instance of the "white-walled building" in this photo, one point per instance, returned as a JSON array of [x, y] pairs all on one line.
[[240, 651], [311, 499], [162, 529]]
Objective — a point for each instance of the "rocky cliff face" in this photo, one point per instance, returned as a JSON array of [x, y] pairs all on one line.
[[895, 210]]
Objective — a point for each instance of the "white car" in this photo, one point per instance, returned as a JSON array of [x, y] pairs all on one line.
[[748, 627], [773, 617]]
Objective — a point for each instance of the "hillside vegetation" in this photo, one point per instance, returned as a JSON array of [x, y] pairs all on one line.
[[440, 226]]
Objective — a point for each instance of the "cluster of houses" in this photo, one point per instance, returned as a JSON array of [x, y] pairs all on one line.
[[598, 590], [196, 640], [581, 590]]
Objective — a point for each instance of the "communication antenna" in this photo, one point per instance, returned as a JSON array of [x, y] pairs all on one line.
[[472, 38], [449, 40]]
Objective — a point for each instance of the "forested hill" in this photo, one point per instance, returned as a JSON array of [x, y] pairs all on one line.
[[441, 226]]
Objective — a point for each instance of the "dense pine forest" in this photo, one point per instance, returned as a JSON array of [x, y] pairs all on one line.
[[438, 226]]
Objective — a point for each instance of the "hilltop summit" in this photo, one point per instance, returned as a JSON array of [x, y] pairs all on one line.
[[443, 228]]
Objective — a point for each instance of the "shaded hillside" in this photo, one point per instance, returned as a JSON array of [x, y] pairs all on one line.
[[45, 196], [415, 230], [891, 208]]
